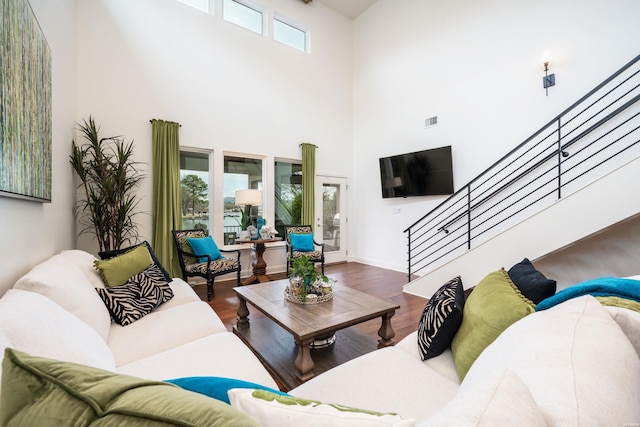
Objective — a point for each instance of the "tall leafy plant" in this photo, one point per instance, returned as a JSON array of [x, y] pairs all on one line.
[[109, 177]]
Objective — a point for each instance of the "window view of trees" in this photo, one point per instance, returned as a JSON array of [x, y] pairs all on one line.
[[287, 194], [239, 173], [194, 178], [195, 203]]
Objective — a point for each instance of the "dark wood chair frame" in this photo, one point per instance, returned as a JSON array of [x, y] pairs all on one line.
[[290, 257], [208, 275]]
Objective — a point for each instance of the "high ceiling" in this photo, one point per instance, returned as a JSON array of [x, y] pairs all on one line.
[[349, 8]]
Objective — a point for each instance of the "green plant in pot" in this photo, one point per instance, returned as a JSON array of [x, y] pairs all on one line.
[[109, 177], [304, 278]]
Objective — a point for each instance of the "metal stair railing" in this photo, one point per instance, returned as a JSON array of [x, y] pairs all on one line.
[[592, 137]]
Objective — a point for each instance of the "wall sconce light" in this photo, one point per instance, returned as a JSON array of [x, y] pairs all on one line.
[[548, 79]]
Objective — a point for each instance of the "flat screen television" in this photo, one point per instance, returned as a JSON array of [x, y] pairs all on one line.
[[422, 173]]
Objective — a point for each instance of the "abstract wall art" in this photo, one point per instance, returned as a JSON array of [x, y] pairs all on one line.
[[25, 104]]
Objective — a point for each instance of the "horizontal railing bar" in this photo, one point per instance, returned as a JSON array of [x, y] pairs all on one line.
[[604, 96], [568, 134], [603, 120]]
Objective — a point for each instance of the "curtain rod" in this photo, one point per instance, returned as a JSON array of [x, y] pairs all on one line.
[[309, 144], [151, 121]]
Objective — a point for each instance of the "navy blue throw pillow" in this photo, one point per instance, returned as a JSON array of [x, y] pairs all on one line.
[[531, 283]]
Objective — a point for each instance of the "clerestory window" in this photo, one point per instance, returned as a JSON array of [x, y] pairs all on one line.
[[287, 32], [244, 14]]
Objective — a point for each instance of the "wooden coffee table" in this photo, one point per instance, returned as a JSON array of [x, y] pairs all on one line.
[[306, 322]]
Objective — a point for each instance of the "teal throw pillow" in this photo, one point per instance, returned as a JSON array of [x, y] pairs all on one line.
[[217, 387], [302, 242], [204, 246]]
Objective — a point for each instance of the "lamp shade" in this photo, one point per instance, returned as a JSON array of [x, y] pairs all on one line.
[[248, 197]]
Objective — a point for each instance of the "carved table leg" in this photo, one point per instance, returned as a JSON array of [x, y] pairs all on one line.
[[386, 332], [258, 263], [243, 315], [303, 363]]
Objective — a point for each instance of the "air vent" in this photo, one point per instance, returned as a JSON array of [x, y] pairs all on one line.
[[431, 121]]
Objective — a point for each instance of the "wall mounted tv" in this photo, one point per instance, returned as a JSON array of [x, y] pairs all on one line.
[[422, 173]]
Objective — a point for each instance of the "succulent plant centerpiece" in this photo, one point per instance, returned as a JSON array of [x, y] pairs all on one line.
[[306, 286]]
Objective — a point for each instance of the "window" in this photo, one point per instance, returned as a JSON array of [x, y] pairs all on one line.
[[194, 182], [287, 194], [240, 173], [203, 5], [243, 14], [289, 33]]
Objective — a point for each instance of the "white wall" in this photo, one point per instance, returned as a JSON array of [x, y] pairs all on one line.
[[363, 93], [31, 231], [231, 89], [478, 67]]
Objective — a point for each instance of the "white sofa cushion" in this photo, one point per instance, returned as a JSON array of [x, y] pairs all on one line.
[[504, 401], [84, 261], [442, 364], [162, 330], [218, 355], [182, 294], [385, 380], [629, 322], [576, 361], [65, 284], [38, 326]]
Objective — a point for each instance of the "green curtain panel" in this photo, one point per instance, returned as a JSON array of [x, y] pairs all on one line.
[[308, 183], [166, 210]]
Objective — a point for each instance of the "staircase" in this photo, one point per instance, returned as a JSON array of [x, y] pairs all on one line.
[[577, 175]]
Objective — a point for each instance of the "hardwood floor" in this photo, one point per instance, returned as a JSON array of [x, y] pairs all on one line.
[[379, 282]]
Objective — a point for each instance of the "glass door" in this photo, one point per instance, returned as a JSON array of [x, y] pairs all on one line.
[[331, 217]]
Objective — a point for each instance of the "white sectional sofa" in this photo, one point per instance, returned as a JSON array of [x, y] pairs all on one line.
[[576, 363], [54, 312]]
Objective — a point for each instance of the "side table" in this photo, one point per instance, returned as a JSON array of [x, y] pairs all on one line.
[[257, 261]]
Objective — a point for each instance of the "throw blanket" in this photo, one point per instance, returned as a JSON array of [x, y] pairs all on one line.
[[602, 287], [620, 302]]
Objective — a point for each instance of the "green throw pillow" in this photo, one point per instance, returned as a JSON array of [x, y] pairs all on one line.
[[492, 307], [46, 392], [117, 270]]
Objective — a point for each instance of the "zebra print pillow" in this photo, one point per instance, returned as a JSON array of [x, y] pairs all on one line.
[[441, 319], [142, 294]]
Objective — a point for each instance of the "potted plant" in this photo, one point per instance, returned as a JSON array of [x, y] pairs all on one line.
[[243, 222], [109, 178], [305, 282]]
